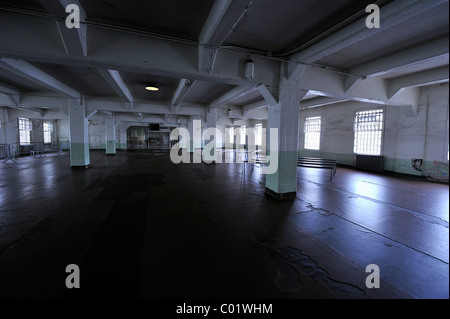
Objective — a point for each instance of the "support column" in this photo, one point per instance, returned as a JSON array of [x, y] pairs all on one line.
[[110, 135], [3, 125], [123, 136], [79, 136], [251, 139], [209, 152], [190, 127], [284, 117]]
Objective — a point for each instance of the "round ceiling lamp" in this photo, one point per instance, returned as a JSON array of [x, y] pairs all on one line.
[[151, 87]]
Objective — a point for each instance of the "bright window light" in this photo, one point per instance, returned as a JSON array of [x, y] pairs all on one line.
[[25, 128], [48, 129], [368, 127], [312, 132]]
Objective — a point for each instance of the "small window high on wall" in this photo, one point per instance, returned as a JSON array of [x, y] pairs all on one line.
[[368, 128], [48, 129], [312, 132], [25, 128]]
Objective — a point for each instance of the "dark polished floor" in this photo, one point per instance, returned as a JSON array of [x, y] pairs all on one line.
[[139, 226]]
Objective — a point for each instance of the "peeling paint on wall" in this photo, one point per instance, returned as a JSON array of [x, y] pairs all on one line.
[[417, 164], [439, 172]]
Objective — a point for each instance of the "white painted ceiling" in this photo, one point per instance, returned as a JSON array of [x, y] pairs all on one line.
[[267, 29]]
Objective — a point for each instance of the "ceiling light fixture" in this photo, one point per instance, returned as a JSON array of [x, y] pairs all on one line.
[[151, 87]]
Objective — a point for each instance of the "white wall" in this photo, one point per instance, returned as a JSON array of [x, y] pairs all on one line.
[[407, 136]]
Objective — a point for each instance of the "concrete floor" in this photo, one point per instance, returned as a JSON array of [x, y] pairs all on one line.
[[141, 227]]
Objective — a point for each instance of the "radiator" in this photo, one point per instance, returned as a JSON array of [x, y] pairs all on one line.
[[369, 163]]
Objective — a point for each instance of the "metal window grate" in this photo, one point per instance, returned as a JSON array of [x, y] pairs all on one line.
[[368, 128], [48, 129], [25, 124], [25, 128], [312, 132]]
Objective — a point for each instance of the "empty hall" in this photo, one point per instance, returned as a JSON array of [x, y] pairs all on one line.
[[224, 150]]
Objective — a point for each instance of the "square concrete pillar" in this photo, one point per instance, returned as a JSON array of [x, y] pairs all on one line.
[[190, 128], [110, 135], [122, 136], [209, 153], [79, 136], [284, 117]]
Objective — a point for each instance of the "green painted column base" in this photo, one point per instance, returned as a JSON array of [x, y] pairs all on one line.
[[79, 155], [283, 180], [111, 148]]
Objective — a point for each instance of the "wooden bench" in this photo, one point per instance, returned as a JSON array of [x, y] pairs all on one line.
[[315, 162]]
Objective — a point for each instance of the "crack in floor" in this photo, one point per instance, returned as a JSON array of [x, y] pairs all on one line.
[[327, 213], [440, 221], [294, 267]]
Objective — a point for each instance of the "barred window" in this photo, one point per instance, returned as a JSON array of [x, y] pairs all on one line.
[[25, 124], [368, 127], [25, 128], [48, 129], [312, 132]]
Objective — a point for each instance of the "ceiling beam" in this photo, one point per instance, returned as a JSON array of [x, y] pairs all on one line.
[[320, 101], [8, 89], [115, 81], [11, 100], [331, 84], [113, 104], [235, 93], [133, 118], [267, 95], [161, 108], [32, 73], [393, 13], [91, 114], [428, 77], [438, 49], [409, 96], [213, 30], [11, 93], [182, 90], [223, 17], [40, 112], [74, 40], [255, 105], [156, 56]]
